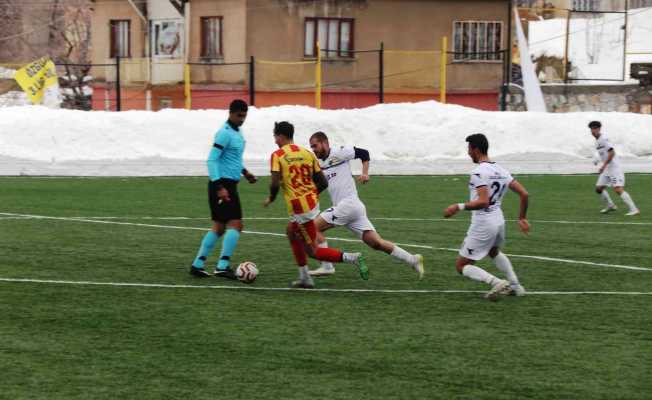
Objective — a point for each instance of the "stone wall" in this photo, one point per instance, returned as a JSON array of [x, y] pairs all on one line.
[[576, 98]]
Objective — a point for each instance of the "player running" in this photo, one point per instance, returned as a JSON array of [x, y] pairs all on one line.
[[347, 209], [610, 172], [298, 172], [488, 184], [224, 170]]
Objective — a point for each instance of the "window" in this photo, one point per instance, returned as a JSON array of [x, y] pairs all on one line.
[[120, 38], [585, 5], [211, 37], [335, 36], [166, 38], [481, 41]]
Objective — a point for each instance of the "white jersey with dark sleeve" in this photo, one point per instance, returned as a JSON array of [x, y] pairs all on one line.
[[603, 145], [496, 179], [338, 172]]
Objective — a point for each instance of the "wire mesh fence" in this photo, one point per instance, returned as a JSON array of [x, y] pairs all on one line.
[[361, 78]]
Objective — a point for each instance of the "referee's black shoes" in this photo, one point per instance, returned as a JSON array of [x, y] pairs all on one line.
[[199, 272], [225, 273]]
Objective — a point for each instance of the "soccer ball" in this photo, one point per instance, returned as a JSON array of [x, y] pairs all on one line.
[[246, 272]]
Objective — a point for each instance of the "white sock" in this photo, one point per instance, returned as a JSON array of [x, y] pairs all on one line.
[[350, 258], [627, 199], [607, 199], [504, 265], [303, 273], [325, 264], [403, 255], [479, 274]]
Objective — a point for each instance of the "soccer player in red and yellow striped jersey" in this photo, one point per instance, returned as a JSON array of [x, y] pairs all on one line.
[[297, 172]]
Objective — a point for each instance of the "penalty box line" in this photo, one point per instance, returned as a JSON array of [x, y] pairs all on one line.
[[316, 290], [417, 246]]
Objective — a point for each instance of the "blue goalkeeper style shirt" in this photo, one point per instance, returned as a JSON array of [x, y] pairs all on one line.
[[225, 158]]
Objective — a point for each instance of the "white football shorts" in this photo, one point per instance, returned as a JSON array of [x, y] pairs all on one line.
[[350, 213], [305, 217], [480, 238], [611, 178]]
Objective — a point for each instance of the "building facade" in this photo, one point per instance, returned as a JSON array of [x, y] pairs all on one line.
[[214, 42]]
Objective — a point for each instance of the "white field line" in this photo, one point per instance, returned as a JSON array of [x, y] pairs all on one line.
[[418, 246], [374, 219], [284, 289]]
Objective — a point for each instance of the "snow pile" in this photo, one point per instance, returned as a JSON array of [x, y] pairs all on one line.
[[596, 42], [51, 98], [12, 98], [425, 138], [6, 73]]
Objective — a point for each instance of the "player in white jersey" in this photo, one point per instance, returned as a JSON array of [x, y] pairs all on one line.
[[610, 172], [347, 209], [488, 184]]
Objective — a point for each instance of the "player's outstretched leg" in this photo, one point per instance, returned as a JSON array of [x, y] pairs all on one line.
[[325, 268], [337, 256], [308, 232], [373, 240], [465, 267], [505, 266], [604, 195], [627, 199], [205, 249]]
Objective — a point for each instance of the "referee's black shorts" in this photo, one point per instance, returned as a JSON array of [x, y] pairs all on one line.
[[224, 211]]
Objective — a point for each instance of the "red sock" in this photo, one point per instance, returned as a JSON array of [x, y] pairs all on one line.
[[299, 252], [328, 254]]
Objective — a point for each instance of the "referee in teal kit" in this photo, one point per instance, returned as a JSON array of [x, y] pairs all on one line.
[[224, 170]]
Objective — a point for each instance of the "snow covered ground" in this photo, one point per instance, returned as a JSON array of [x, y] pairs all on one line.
[[420, 138], [596, 43]]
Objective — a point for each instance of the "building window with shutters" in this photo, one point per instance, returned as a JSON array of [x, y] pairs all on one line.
[[211, 37], [477, 41], [335, 37], [120, 40]]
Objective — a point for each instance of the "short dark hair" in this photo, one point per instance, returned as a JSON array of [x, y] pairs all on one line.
[[238, 105], [595, 124], [284, 128], [478, 141], [320, 136]]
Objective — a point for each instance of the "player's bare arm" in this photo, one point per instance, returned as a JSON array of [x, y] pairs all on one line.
[[274, 187], [610, 157], [519, 189], [320, 181], [251, 178], [480, 203]]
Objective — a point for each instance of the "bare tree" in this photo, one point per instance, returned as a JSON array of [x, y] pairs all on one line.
[[58, 29], [70, 35]]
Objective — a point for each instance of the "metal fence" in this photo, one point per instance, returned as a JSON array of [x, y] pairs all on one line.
[[364, 78]]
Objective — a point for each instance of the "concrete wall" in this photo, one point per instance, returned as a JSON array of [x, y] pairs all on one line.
[[576, 98]]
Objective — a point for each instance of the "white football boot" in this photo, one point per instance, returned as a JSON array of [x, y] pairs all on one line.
[[608, 209], [496, 290]]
